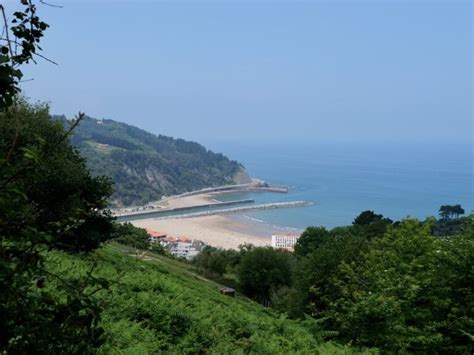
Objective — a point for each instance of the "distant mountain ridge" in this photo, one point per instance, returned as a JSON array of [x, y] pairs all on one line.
[[145, 167]]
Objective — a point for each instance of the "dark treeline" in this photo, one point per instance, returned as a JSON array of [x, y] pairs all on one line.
[[394, 286]]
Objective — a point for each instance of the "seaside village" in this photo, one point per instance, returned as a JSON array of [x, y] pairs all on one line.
[[188, 248]]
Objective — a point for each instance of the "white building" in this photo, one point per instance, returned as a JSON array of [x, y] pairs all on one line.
[[178, 246], [284, 241], [184, 247]]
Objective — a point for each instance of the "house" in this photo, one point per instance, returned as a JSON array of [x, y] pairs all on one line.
[[183, 247], [155, 237]]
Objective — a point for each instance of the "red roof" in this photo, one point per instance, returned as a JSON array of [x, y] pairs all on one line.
[[153, 233]]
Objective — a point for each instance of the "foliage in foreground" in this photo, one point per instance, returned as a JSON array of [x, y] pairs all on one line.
[[410, 290], [395, 286], [403, 290], [48, 200], [161, 305]]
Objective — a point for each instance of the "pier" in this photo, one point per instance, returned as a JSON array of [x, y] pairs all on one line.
[[153, 213], [251, 187], [213, 211]]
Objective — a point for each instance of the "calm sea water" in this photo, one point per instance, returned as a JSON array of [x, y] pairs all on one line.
[[397, 180]]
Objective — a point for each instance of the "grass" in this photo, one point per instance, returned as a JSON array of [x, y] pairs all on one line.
[[156, 304]]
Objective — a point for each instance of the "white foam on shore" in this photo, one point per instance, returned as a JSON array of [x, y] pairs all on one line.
[[253, 219], [286, 228], [274, 226]]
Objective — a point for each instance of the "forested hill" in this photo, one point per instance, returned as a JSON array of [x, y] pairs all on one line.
[[144, 167]]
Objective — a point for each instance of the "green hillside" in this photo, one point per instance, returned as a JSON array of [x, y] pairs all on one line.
[[144, 167], [161, 305]]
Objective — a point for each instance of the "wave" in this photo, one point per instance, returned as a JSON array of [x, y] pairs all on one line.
[[274, 226], [286, 228], [253, 219]]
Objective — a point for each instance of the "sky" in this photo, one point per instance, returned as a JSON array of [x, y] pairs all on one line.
[[263, 70]]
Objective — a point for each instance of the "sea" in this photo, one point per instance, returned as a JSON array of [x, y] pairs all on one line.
[[398, 180]]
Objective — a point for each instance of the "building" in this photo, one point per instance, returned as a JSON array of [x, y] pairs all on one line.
[[285, 241], [183, 247], [155, 237]]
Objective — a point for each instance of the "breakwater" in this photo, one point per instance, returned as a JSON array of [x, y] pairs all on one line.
[[283, 190], [212, 212], [252, 187], [167, 212]]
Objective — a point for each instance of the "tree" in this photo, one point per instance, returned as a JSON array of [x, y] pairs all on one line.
[[370, 224], [316, 272], [65, 200], [48, 200], [369, 217], [310, 240], [216, 260], [450, 211], [457, 210], [444, 212], [409, 292], [128, 234], [264, 270], [20, 44], [366, 218]]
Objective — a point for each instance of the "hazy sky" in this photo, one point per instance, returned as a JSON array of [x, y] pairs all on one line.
[[314, 70]]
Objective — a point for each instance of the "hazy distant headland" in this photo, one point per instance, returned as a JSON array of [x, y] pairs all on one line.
[[145, 167]]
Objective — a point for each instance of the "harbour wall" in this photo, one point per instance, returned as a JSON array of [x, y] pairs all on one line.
[[212, 212], [171, 211]]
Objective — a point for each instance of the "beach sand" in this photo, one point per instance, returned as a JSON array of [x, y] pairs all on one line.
[[218, 231], [187, 201]]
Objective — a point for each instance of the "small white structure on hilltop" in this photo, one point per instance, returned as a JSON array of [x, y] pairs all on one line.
[[285, 241]]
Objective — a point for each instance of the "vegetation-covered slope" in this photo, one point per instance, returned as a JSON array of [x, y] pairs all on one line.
[[144, 166], [396, 286], [160, 305]]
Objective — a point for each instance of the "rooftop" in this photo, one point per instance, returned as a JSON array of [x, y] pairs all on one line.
[[153, 233], [286, 235]]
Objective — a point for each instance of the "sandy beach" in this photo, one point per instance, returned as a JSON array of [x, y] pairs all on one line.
[[219, 231], [223, 231], [187, 201]]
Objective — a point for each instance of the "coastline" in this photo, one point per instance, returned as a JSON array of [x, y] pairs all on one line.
[[222, 231], [202, 196], [218, 231]]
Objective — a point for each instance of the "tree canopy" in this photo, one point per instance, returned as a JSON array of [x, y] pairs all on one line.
[[19, 45], [263, 271], [450, 211]]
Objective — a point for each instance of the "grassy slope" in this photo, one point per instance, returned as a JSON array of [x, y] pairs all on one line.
[[161, 305]]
